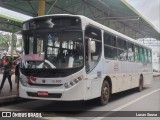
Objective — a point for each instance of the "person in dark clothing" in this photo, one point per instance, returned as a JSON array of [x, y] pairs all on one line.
[[6, 73], [17, 73], [1, 63]]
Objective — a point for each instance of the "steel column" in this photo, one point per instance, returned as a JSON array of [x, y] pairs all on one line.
[[41, 7]]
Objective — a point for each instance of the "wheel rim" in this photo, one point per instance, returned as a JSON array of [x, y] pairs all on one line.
[[105, 92]]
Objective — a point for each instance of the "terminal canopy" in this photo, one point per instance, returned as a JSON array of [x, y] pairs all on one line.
[[116, 14]]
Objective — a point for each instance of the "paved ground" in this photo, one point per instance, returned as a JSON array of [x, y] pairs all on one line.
[[5, 93]]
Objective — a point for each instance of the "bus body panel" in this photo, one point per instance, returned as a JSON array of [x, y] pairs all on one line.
[[96, 77]]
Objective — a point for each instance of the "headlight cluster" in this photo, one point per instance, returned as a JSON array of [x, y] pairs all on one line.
[[26, 80], [73, 82], [23, 81]]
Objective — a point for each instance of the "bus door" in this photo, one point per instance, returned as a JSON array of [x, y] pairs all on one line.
[[93, 43]]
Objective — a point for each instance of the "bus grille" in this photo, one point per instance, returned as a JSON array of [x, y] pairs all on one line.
[[49, 85], [50, 95]]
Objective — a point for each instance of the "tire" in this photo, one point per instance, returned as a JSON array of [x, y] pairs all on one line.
[[105, 93], [140, 87]]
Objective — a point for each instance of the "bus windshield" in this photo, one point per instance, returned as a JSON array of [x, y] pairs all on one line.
[[53, 50]]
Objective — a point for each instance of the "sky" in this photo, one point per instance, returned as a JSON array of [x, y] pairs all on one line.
[[150, 9]]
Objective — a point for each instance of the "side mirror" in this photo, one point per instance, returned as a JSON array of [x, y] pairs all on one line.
[[91, 46]]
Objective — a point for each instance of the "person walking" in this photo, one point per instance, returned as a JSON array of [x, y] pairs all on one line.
[[6, 73], [17, 73], [1, 63]]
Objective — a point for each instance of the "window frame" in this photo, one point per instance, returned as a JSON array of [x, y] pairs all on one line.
[[113, 46], [138, 53], [120, 48], [141, 53], [133, 51], [96, 40]]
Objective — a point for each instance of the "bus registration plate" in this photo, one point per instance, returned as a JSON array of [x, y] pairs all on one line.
[[42, 93]]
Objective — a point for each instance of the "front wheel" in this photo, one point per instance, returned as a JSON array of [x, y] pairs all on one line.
[[140, 87], [105, 93]]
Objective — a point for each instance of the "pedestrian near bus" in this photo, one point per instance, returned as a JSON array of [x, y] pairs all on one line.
[[17, 74], [6, 73], [1, 63]]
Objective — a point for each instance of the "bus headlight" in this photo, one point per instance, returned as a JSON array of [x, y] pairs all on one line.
[[73, 82], [23, 81]]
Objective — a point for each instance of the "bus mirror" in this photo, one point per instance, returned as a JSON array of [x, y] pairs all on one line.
[[91, 46]]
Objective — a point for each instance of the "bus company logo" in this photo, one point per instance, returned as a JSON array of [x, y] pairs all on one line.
[[6, 114]]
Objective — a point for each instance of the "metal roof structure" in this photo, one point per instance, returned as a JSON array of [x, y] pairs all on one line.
[[9, 25], [116, 14]]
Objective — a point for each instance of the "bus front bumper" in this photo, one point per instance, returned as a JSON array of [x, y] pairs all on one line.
[[59, 94]]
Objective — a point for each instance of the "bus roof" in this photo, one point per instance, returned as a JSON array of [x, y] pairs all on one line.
[[96, 24]]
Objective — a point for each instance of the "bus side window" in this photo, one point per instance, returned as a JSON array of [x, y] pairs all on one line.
[[145, 55], [136, 50], [121, 47], [110, 48], [130, 51], [141, 54], [149, 56], [110, 52], [130, 54]]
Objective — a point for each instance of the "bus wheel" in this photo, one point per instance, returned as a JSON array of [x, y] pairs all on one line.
[[140, 87], [105, 93]]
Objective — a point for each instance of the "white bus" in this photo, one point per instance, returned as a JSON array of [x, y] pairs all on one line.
[[71, 57]]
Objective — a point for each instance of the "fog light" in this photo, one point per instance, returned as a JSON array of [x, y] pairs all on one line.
[[66, 85], [71, 83], [75, 80]]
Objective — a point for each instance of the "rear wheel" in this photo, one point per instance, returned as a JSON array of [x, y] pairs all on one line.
[[140, 87], [105, 93]]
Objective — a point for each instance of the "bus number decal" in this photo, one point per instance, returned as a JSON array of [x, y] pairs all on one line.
[[56, 81]]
